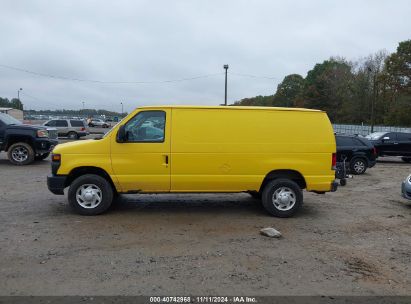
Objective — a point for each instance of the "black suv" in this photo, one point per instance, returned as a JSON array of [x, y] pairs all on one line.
[[392, 144], [24, 143], [358, 153]]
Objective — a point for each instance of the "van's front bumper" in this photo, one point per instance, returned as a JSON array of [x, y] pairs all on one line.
[[56, 183]]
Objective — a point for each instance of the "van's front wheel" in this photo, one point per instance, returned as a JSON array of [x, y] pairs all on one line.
[[90, 194], [282, 197]]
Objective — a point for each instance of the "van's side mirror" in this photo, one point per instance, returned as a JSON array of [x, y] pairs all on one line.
[[121, 134]]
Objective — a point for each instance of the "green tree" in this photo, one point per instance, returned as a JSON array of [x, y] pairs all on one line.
[[16, 104], [289, 91], [328, 86], [398, 76], [264, 101]]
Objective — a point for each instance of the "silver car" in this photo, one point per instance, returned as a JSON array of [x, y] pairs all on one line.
[[406, 188], [71, 128]]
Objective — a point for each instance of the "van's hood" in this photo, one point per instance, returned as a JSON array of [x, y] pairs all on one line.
[[88, 146]]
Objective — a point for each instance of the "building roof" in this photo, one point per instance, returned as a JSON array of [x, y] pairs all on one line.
[[8, 109]]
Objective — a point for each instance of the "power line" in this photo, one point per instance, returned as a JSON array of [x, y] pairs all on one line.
[[106, 82], [40, 100], [252, 76]]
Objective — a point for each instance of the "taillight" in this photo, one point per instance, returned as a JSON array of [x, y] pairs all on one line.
[[83, 129], [374, 150], [334, 161]]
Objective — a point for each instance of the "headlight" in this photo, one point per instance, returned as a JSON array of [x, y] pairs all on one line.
[[42, 133]]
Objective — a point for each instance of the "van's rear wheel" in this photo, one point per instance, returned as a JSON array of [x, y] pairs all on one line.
[[90, 194], [282, 197]]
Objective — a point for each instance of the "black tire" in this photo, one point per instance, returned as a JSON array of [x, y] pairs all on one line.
[[406, 159], [343, 182], [106, 194], [255, 195], [358, 166], [295, 193], [42, 156], [72, 135], [20, 154]]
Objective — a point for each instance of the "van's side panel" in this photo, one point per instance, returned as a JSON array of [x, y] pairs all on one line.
[[228, 150]]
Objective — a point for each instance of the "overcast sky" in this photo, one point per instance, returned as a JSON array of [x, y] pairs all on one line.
[[154, 41]]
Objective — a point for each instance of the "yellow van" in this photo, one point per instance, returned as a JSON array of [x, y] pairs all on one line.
[[271, 153]]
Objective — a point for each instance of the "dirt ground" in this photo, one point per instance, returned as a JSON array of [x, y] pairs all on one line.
[[352, 242]]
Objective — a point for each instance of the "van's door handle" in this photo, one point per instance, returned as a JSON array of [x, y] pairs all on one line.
[[165, 161]]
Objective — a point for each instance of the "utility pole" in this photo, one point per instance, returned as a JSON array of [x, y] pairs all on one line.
[[122, 111], [374, 92], [18, 97], [225, 92], [374, 97]]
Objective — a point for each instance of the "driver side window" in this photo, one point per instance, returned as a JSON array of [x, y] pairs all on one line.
[[146, 126]]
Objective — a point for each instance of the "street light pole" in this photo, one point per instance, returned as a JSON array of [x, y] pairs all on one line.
[[373, 100], [18, 97], [122, 111], [225, 91], [374, 97]]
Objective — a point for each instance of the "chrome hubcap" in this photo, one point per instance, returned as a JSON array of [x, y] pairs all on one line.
[[284, 198], [20, 154], [89, 196], [359, 166]]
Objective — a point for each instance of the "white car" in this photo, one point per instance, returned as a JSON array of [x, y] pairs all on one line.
[[98, 123]]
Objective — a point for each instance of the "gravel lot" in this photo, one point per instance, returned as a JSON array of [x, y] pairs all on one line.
[[352, 242]]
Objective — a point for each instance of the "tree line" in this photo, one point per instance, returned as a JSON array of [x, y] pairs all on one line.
[[375, 89], [14, 103]]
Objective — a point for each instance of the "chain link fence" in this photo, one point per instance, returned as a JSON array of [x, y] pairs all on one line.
[[365, 129]]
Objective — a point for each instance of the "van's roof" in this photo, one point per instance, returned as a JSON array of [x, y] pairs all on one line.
[[228, 108]]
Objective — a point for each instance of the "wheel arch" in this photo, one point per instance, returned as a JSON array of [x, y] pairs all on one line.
[[79, 171], [293, 175], [12, 139], [362, 156]]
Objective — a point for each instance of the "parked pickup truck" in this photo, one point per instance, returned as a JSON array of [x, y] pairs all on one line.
[[24, 143]]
